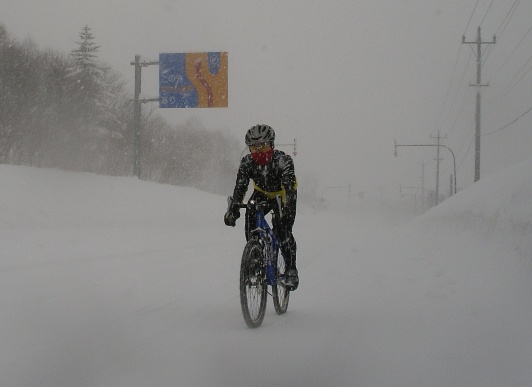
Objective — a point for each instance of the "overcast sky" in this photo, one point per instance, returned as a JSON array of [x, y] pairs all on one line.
[[345, 78]]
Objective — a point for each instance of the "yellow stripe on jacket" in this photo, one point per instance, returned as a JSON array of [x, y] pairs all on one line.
[[273, 195]]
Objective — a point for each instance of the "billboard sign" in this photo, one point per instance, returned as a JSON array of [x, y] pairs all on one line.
[[193, 80]]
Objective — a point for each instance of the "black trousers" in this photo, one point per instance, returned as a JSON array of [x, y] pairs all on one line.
[[283, 232]]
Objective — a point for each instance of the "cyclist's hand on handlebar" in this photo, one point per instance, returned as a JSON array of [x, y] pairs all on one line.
[[232, 214], [230, 218]]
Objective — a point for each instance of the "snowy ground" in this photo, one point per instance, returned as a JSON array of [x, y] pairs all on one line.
[[115, 282]]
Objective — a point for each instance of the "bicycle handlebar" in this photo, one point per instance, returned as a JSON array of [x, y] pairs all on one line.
[[252, 204]]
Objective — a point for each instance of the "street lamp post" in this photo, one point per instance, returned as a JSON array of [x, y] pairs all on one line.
[[438, 145]]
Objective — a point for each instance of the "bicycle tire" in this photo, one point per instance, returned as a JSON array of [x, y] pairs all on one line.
[[253, 286], [281, 295]]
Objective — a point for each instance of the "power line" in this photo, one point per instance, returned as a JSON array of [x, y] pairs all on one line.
[[456, 96], [513, 51], [462, 109], [507, 125], [486, 14], [467, 151], [513, 84], [505, 22], [449, 88], [454, 71], [508, 17], [471, 17], [466, 137]]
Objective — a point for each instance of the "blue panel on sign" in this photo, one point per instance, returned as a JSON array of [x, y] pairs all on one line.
[[214, 62], [175, 89]]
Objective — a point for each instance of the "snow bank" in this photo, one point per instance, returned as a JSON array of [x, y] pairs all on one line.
[[498, 207]]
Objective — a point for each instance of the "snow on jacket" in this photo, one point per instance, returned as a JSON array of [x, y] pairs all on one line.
[[276, 176]]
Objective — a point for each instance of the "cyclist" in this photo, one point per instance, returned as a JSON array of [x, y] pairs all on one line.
[[272, 172]]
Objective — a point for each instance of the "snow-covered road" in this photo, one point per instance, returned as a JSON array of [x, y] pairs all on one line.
[[108, 281]]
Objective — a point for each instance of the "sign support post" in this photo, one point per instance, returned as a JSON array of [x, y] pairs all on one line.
[[137, 116]]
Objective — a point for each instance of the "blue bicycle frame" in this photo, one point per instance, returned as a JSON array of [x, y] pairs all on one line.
[[269, 244], [265, 236]]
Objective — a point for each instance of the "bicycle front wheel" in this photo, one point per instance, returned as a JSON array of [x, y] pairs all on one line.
[[253, 286], [281, 295]]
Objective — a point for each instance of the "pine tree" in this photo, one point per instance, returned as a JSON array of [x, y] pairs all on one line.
[[86, 79]]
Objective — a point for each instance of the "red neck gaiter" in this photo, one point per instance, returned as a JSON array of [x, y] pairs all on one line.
[[262, 158]]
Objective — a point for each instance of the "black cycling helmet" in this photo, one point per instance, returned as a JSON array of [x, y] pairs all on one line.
[[260, 134]]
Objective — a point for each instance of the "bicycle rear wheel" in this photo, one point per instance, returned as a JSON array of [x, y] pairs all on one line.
[[253, 286], [281, 295]]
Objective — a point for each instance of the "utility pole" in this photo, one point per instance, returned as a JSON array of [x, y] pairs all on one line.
[[137, 111], [478, 85], [451, 186], [422, 184], [438, 168], [136, 118]]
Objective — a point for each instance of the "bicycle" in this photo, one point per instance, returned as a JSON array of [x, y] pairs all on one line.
[[261, 267]]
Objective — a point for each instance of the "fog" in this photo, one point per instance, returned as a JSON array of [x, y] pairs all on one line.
[[344, 78]]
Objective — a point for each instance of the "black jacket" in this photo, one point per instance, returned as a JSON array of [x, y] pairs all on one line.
[[276, 175]]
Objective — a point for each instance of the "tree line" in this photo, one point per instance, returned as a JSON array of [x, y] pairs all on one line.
[[73, 112]]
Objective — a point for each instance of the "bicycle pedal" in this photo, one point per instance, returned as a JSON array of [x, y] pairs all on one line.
[[289, 283]]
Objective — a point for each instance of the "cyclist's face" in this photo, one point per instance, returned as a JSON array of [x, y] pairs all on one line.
[[259, 148]]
